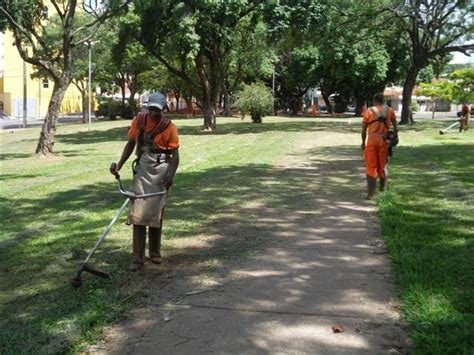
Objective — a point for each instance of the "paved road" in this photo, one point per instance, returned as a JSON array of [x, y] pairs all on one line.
[[8, 123]]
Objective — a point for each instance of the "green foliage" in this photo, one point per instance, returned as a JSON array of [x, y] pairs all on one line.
[[112, 109], [357, 56], [425, 75], [459, 88], [434, 29], [193, 40], [256, 99], [252, 55], [414, 107], [463, 85], [292, 27], [441, 90]]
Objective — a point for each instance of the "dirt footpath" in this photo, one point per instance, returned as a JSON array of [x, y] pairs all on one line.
[[316, 279]]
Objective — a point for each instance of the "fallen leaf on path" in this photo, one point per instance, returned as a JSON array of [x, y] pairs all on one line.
[[167, 317], [337, 328]]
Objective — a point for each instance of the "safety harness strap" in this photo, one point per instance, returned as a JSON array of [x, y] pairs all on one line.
[[381, 116]]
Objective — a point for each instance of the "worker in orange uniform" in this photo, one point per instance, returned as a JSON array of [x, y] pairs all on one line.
[[376, 121], [464, 117], [156, 140]]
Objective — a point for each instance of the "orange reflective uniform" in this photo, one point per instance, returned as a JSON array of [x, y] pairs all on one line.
[[376, 149], [168, 139]]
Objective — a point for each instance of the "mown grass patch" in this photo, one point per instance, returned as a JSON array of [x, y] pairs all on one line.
[[428, 224]]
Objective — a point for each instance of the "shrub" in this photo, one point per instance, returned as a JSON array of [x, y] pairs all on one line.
[[127, 111], [103, 108], [256, 99], [414, 107], [112, 109]]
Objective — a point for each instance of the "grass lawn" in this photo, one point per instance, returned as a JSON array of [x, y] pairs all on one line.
[[428, 224], [54, 209]]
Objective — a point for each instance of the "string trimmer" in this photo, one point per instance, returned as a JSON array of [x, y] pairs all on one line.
[[76, 281], [444, 131]]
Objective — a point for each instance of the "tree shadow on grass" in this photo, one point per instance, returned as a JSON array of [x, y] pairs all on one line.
[[95, 136], [11, 156]]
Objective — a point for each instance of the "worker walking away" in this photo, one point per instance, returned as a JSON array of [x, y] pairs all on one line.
[[376, 121]]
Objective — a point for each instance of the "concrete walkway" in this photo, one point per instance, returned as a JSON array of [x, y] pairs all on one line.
[[319, 265]]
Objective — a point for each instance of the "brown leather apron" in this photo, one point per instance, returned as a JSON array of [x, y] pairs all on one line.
[[150, 173]]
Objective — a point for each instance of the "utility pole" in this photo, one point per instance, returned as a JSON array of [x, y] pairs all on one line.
[[25, 99], [39, 97], [89, 44]]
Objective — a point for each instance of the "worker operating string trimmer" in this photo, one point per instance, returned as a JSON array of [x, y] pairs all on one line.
[[156, 140]]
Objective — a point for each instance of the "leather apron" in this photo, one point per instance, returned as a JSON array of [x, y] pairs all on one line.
[[150, 173]]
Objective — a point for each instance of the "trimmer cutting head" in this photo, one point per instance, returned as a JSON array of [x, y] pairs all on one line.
[[76, 281]]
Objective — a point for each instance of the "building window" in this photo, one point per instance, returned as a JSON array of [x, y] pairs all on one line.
[[45, 12], [45, 83]]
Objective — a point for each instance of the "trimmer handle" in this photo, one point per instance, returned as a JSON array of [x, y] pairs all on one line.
[[113, 170]]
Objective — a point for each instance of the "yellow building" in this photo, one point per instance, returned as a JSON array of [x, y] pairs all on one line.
[[38, 90]]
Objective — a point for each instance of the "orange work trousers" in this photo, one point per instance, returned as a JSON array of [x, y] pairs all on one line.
[[376, 157]]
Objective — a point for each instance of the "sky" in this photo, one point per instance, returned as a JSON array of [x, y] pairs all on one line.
[[459, 58]]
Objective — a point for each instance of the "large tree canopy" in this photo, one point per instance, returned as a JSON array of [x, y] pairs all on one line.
[[434, 29], [295, 31], [193, 40], [50, 45]]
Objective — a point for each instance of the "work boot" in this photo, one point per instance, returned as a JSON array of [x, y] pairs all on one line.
[[139, 240], [383, 184], [371, 184], [154, 245]]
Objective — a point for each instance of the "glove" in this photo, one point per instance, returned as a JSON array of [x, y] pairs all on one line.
[[113, 169]]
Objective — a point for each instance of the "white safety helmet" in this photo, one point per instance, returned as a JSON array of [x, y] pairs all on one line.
[[158, 100]]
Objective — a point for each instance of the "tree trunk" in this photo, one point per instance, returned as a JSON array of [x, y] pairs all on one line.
[[122, 88], [327, 101], [433, 109], [132, 102], [295, 104], [189, 106], [408, 86], [46, 140], [358, 107], [177, 95], [209, 117], [341, 105], [227, 103]]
